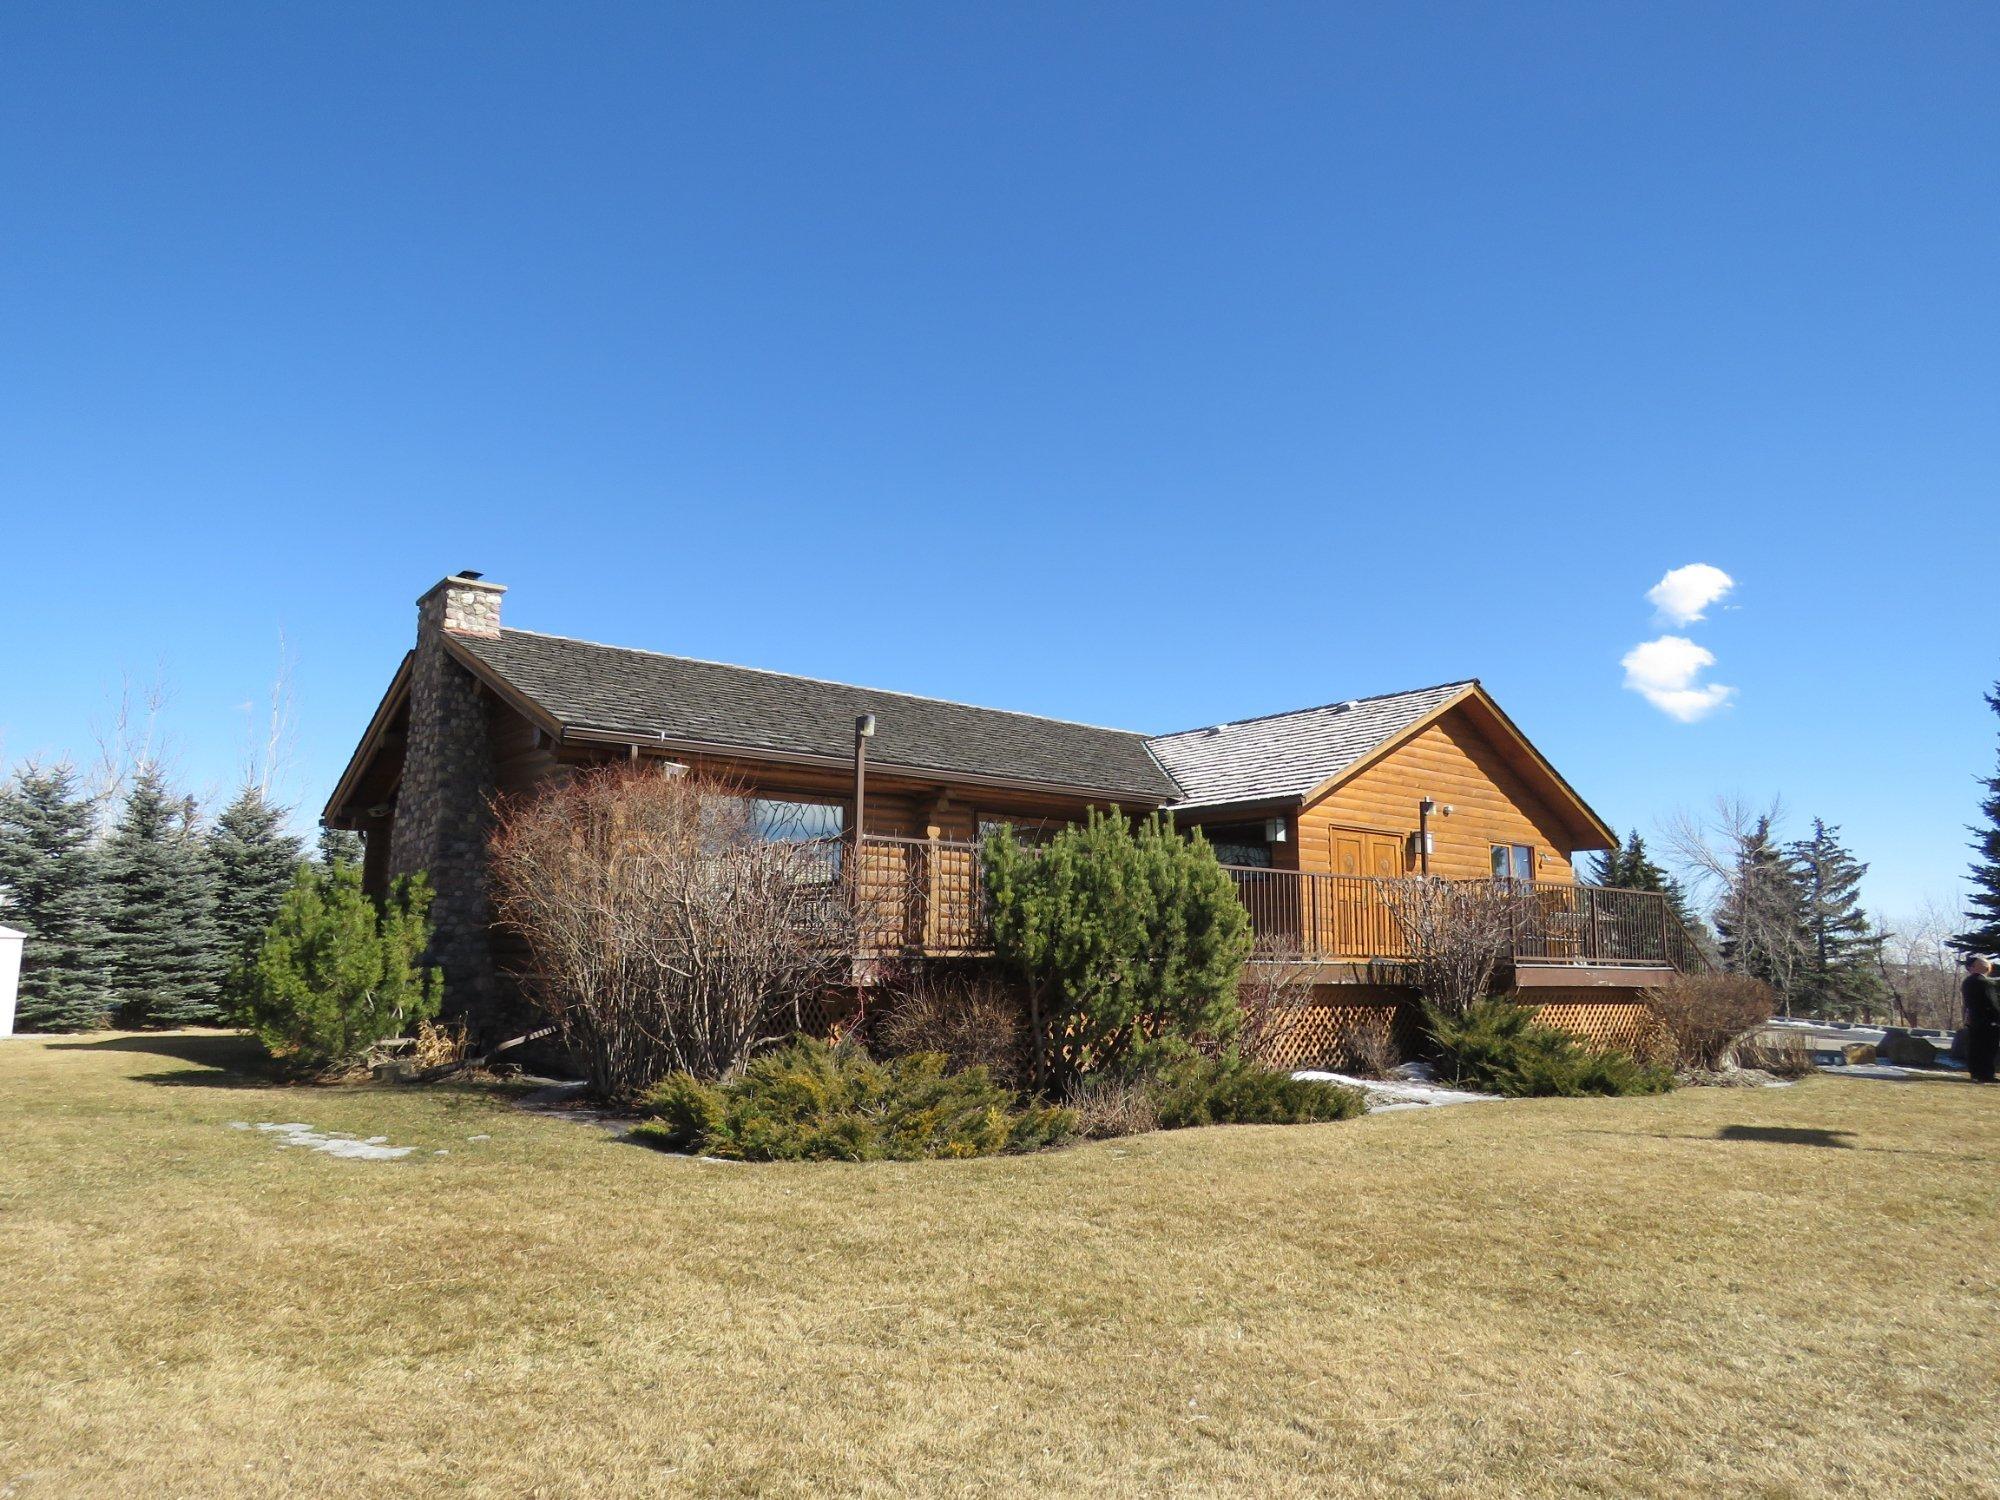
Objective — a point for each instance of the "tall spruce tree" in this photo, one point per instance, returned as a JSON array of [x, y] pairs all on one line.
[[1840, 972], [339, 846], [1982, 907], [49, 888], [167, 959], [254, 860], [1760, 920]]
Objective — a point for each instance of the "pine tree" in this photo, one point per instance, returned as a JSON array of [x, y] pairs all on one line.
[[1761, 918], [1983, 906], [339, 846], [49, 875], [1840, 976], [166, 957], [254, 861]]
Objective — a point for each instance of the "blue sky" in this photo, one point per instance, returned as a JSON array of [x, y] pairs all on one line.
[[1142, 364]]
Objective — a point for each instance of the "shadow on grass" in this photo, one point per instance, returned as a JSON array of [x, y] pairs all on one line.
[[222, 1060], [1789, 1135]]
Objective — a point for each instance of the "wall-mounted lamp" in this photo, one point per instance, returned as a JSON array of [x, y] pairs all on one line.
[[1275, 831]]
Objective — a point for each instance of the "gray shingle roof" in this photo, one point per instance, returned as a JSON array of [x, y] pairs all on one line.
[[1287, 755], [583, 685]]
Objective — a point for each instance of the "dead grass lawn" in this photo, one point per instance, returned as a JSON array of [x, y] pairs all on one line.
[[1755, 1292]]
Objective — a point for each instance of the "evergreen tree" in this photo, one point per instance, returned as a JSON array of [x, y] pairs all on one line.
[[1840, 975], [1131, 942], [339, 846], [49, 877], [254, 860], [1761, 918], [1983, 906], [340, 971], [166, 958]]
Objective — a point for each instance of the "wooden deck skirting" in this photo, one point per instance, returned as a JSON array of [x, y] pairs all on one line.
[[927, 898]]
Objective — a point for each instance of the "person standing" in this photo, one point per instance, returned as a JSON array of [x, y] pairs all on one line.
[[1982, 1018]]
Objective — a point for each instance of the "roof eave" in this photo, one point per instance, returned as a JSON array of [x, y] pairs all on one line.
[[370, 742], [645, 739]]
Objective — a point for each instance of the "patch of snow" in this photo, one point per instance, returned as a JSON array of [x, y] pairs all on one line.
[[332, 1143], [1412, 1086], [479, 1138]]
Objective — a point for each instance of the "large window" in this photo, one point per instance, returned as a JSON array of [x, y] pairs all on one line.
[[1513, 861], [778, 822], [1240, 844]]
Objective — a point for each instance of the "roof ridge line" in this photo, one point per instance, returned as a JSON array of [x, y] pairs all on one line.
[[1287, 713], [703, 661]]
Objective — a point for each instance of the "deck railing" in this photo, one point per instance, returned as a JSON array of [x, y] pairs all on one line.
[[927, 896]]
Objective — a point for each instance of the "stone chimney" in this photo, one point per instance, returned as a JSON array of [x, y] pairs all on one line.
[[464, 604], [443, 801]]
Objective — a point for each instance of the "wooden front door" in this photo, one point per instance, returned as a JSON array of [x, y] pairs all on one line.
[[1362, 925]]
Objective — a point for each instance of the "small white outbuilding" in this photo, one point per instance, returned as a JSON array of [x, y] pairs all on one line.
[[10, 976]]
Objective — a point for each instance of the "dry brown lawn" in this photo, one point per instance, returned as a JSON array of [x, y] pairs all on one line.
[[1755, 1292]]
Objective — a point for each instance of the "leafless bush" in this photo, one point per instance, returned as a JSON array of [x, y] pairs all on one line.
[[1705, 1015], [663, 934], [1454, 933], [1779, 1055], [974, 1019], [441, 1044], [1370, 1051], [1276, 987], [1109, 1107]]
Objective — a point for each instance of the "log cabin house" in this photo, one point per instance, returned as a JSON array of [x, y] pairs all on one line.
[[1309, 810]]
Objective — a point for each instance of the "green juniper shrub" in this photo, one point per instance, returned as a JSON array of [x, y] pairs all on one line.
[[337, 973], [1498, 1047], [1231, 1090], [808, 1100]]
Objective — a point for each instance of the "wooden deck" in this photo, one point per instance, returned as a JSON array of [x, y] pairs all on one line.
[[926, 897]]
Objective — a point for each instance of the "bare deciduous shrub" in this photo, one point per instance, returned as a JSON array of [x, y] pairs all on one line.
[[1371, 1051], [1110, 1107], [1275, 990], [1704, 1016], [664, 934], [1779, 1055], [440, 1044], [1454, 932], [974, 1019]]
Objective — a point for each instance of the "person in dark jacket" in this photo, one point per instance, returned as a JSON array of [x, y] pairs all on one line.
[[1982, 1019]]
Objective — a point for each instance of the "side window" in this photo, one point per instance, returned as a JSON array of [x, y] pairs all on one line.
[[779, 822], [1034, 832], [1513, 861]]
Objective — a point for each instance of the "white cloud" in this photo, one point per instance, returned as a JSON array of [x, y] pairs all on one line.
[[1663, 671], [1684, 594]]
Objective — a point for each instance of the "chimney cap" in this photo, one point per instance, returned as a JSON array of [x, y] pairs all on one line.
[[470, 573]]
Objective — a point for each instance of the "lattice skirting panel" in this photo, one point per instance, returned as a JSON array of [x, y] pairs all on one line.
[[1626, 1025], [1338, 1033], [1343, 1026]]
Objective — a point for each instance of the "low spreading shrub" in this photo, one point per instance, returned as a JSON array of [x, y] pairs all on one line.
[[1231, 1090], [1497, 1047], [1704, 1016], [337, 973], [811, 1101]]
